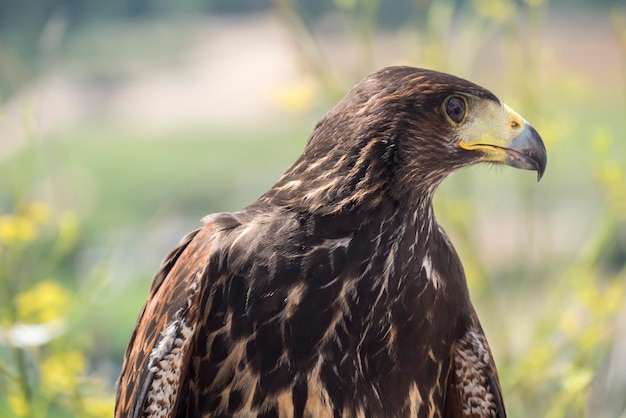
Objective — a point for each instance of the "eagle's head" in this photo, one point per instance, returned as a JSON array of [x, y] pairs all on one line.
[[398, 133]]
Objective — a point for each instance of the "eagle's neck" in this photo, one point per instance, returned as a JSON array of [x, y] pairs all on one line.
[[419, 265], [409, 233]]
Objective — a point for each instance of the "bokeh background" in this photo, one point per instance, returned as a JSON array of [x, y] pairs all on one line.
[[124, 122]]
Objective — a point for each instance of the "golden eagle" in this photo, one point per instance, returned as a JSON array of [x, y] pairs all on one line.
[[336, 293]]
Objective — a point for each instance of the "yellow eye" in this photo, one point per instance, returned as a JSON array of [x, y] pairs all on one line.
[[455, 108]]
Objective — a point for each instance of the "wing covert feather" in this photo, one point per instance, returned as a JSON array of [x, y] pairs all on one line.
[[473, 386], [160, 345]]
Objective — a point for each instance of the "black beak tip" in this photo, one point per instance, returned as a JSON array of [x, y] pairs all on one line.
[[540, 170], [537, 152]]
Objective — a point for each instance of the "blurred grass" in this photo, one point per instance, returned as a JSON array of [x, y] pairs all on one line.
[[116, 177]]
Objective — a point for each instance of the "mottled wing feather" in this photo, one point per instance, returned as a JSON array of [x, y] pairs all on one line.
[[473, 386], [159, 346]]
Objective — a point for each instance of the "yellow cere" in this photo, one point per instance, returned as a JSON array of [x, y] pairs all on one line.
[[494, 129]]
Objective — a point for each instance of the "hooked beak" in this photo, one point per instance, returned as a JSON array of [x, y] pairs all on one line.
[[527, 151], [506, 139]]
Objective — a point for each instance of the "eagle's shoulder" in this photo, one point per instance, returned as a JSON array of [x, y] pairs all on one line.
[[156, 358]]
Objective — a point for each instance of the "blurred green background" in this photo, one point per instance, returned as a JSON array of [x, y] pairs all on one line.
[[122, 123]]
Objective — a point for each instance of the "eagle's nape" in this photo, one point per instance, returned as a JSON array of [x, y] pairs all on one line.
[[336, 294]]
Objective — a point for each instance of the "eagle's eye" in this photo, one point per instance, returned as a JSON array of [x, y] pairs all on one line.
[[455, 108]]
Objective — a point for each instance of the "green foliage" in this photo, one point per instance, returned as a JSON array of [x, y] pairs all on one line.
[[43, 355]]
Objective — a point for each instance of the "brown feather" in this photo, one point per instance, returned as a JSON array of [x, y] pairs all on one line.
[[173, 294]]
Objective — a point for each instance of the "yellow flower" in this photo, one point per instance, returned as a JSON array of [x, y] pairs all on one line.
[[44, 302], [539, 358], [38, 212], [570, 323], [21, 227], [297, 98], [496, 10], [60, 373], [16, 229], [577, 379], [18, 404], [99, 406]]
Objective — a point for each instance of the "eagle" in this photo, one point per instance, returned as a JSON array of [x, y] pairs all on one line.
[[336, 293]]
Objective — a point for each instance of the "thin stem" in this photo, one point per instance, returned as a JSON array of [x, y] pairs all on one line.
[[16, 352]]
